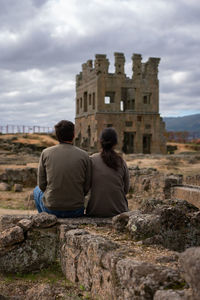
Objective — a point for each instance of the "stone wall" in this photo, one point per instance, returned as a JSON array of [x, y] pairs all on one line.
[[189, 193], [105, 270], [27, 243], [105, 266], [192, 180], [149, 183], [25, 176]]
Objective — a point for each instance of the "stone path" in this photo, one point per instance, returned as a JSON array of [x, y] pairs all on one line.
[[4, 211]]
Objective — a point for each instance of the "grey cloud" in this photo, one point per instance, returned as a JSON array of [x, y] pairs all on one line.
[[166, 30]]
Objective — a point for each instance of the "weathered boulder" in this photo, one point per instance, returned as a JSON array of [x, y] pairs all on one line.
[[119, 222], [174, 224], [142, 226], [29, 243], [140, 280], [190, 262], [11, 236], [25, 224], [38, 250], [44, 220], [9, 221]]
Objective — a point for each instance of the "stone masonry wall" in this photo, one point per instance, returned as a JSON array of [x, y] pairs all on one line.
[[192, 180], [191, 194], [104, 266], [149, 183], [26, 176]]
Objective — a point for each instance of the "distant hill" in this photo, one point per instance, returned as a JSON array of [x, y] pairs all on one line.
[[189, 123]]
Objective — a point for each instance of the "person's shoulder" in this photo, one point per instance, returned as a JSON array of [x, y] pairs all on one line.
[[95, 156], [80, 151], [50, 149]]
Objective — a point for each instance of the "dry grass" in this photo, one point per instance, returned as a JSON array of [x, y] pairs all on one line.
[[31, 138]]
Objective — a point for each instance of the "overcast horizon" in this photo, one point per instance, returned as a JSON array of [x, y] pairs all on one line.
[[43, 44]]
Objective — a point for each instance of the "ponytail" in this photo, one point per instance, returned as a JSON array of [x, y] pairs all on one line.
[[108, 140]]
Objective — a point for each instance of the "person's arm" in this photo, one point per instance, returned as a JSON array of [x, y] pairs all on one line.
[[126, 179], [42, 178], [88, 176]]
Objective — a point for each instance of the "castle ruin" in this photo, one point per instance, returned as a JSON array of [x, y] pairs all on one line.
[[130, 105]]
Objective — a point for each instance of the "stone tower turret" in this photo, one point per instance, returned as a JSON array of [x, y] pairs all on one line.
[[119, 63], [130, 105]]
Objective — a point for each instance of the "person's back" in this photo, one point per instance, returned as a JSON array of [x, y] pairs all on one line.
[[64, 176], [66, 167], [110, 179]]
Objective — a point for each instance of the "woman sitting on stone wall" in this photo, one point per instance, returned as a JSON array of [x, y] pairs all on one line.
[[110, 179]]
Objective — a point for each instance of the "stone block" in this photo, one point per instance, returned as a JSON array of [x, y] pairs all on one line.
[[190, 262], [171, 295], [18, 187], [4, 186], [140, 280], [38, 250], [11, 236], [44, 220]]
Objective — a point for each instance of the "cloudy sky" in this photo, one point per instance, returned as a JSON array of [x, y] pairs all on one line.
[[44, 42]]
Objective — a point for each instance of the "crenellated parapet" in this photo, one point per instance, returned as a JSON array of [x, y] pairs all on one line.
[[151, 68], [119, 63], [146, 70], [130, 104], [137, 66], [101, 64]]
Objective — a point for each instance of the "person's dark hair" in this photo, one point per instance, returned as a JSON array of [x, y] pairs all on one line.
[[64, 131], [108, 140]]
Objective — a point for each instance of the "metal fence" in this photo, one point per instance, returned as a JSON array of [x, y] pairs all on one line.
[[6, 129]]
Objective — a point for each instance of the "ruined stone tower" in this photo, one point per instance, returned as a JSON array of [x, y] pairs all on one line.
[[130, 105]]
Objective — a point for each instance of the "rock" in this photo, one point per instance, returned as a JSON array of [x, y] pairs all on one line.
[[142, 226], [190, 262], [38, 250], [25, 224], [101, 267], [175, 226], [170, 295], [120, 221], [44, 220], [4, 186], [149, 205], [26, 176], [83, 257], [42, 291], [11, 236], [9, 221], [140, 280], [18, 187]]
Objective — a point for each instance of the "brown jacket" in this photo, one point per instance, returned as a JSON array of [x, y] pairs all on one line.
[[109, 189], [64, 175]]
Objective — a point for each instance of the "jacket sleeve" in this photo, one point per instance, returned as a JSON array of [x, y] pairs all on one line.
[[42, 178], [88, 176], [126, 179]]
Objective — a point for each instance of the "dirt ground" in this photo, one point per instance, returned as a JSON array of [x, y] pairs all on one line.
[[185, 164]]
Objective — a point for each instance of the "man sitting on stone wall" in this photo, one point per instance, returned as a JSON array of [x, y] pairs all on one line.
[[64, 176]]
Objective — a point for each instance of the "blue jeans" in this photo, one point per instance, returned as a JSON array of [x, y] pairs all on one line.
[[38, 194]]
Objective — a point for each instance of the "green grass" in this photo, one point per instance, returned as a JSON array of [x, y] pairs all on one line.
[[52, 274]]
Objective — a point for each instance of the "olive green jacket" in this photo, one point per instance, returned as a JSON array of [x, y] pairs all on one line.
[[64, 175]]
